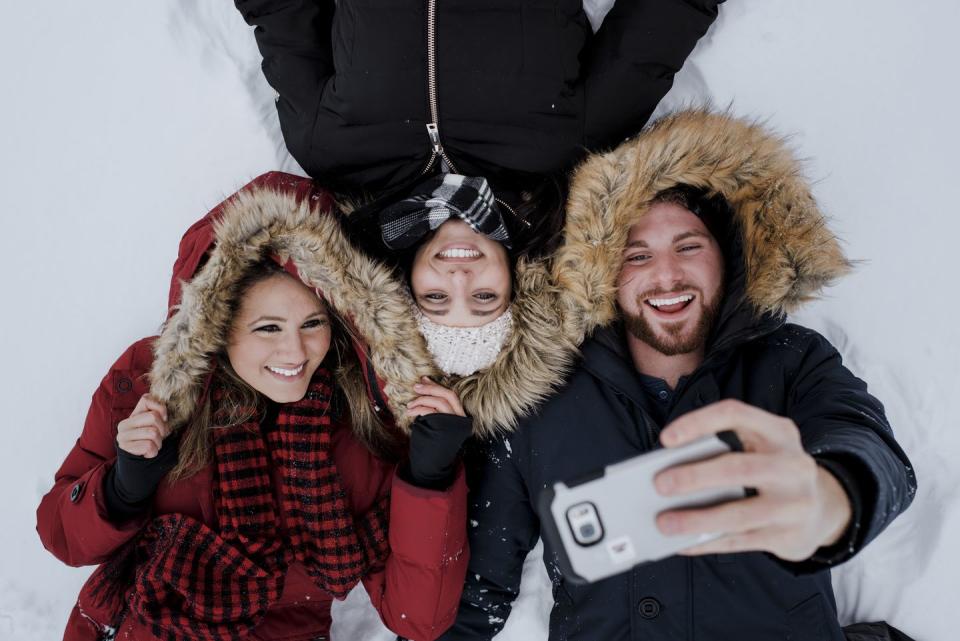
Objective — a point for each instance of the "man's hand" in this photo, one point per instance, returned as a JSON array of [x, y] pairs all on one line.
[[799, 506]]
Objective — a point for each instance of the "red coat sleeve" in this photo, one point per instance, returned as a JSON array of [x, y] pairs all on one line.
[[418, 592], [71, 519]]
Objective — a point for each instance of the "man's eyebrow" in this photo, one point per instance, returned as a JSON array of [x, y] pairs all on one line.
[[689, 234], [681, 236]]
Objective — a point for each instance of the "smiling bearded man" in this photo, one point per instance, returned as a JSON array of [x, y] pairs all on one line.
[[680, 298], [685, 249]]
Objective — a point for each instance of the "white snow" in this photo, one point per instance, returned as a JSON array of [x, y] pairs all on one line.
[[125, 123]]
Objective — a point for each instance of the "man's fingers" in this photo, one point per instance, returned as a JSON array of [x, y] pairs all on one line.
[[736, 469], [757, 429], [777, 541], [753, 541], [733, 517]]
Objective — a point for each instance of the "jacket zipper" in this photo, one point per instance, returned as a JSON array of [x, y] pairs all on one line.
[[433, 127]]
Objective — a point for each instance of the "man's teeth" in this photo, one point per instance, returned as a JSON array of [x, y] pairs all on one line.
[[460, 253], [660, 302], [285, 372]]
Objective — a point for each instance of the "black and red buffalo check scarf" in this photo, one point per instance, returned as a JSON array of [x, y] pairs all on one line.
[[187, 581]]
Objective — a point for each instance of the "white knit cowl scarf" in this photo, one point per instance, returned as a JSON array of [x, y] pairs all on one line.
[[461, 351]]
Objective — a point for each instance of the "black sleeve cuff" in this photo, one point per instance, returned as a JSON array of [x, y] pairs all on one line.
[[119, 509], [438, 436], [850, 541], [129, 485], [440, 483]]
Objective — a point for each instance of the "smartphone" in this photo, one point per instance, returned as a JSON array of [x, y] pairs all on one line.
[[605, 523]]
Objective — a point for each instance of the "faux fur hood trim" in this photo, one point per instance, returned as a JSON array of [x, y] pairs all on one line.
[[263, 220], [789, 253], [534, 361], [536, 358]]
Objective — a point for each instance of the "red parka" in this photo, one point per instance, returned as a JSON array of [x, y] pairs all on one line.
[[418, 590]]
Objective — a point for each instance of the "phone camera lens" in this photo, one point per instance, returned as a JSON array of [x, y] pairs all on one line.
[[585, 525]]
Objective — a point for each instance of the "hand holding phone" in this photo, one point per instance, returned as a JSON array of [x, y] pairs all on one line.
[[800, 506], [606, 523]]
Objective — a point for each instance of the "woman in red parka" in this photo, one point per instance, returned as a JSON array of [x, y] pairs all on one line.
[[239, 471]]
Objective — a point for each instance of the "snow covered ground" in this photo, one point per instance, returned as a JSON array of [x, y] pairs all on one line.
[[124, 122]]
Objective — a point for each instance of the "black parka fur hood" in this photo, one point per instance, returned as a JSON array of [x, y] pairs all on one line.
[[789, 253]]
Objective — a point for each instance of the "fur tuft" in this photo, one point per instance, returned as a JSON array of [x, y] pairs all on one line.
[[790, 253], [261, 222]]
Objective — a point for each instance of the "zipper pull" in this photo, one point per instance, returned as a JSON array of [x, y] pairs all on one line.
[[433, 130]]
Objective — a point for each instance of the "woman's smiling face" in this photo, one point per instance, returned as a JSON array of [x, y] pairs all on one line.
[[461, 278], [279, 337]]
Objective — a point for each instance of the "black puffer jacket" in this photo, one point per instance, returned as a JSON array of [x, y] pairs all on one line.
[[779, 253], [603, 416], [521, 85]]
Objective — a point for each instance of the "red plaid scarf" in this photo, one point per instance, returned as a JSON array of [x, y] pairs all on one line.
[[191, 582]]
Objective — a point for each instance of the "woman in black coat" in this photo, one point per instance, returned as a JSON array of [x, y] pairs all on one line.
[[374, 95]]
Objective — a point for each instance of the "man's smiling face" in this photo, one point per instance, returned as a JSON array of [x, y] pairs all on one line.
[[671, 280]]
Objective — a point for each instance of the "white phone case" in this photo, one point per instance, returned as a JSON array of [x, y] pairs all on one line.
[[605, 524]]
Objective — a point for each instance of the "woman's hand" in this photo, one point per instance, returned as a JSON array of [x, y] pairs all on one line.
[[142, 460], [434, 399], [438, 433], [142, 433]]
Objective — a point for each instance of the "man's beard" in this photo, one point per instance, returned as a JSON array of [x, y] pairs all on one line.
[[676, 341]]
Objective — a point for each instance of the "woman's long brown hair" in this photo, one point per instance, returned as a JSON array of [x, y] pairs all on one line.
[[240, 403]]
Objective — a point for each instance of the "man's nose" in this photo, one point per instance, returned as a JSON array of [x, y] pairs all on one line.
[[669, 272]]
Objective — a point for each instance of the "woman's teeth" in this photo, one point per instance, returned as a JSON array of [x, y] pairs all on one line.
[[663, 302], [460, 253], [286, 372]]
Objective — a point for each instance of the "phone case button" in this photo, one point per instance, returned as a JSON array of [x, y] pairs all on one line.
[[649, 608]]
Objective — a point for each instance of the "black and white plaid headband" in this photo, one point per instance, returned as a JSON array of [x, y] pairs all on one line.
[[434, 202]]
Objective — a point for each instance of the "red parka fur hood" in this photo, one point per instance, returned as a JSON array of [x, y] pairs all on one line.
[[292, 219], [287, 217]]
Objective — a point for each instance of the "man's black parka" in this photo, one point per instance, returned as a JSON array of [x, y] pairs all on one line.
[[779, 254]]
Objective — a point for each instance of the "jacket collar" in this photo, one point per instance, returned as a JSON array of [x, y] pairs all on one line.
[[607, 357]]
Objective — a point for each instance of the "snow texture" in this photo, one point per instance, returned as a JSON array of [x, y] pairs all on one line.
[[126, 122]]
